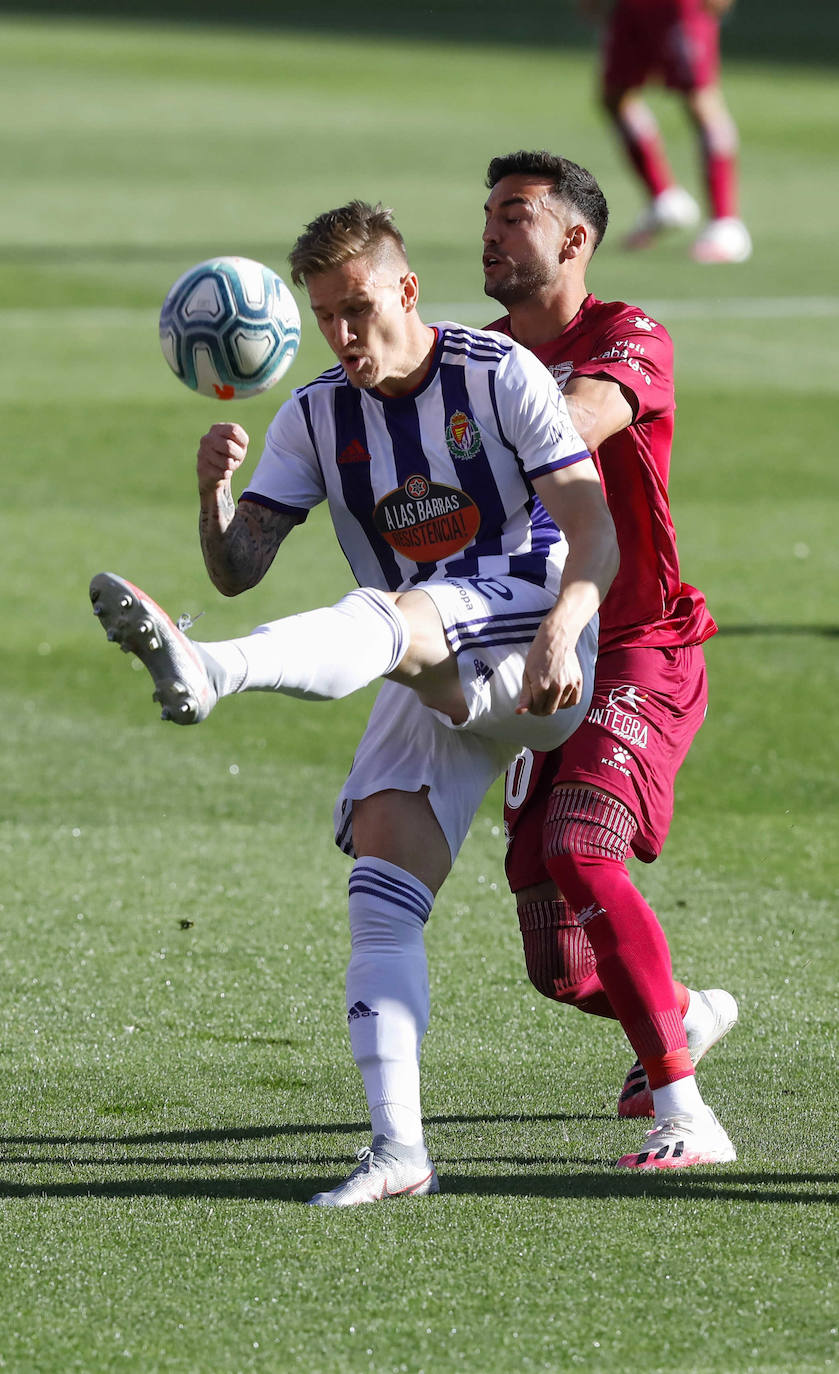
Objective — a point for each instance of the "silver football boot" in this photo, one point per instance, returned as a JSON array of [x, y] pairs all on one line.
[[386, 1170], [139, 626]]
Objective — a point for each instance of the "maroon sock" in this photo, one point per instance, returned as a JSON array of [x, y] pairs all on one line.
[[561, 963], [633, 960], [645, 150], [721, 181]]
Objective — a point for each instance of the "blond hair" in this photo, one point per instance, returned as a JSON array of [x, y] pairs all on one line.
[[353, 230]]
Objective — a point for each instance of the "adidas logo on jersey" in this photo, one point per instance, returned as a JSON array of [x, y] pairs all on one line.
[[483, 672], [359, 1009], [355, 452]]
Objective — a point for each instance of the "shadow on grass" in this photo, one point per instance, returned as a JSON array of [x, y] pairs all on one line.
[[554, 1176], [222, 1133], [710, 1186], [713, 1185]]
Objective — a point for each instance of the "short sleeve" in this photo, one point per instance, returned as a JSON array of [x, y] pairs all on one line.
[[288, 475], [533, 415], [636, 352]]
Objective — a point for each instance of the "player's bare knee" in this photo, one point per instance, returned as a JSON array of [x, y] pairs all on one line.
[[614, 101], [401, 828], [634, 116], [716, 126]]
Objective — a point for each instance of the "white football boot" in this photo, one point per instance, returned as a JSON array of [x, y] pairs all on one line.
[[681, 1142], [139, 626], [723, 240], [674, 208], [635, 1098], [386, 1170]]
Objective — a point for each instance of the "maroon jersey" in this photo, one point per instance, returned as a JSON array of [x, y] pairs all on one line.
[[647, 604]]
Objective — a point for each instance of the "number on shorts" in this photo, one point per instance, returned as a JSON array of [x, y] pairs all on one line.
[[490, 586], [517, 781]]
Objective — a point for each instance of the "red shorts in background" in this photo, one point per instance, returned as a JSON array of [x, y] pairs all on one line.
[[674, 41], [647, 706]]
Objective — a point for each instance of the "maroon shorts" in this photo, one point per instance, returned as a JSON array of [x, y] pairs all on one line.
[[674, 41], [647, 706]]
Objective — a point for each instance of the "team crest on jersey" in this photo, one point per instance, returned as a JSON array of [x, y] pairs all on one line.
[[463, 438], [427, 521], [561, 372]]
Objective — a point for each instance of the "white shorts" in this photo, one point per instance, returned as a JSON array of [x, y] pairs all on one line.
[[490, 624], [405, 747]]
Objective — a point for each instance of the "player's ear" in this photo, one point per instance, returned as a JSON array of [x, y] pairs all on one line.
[[410, 290], [577, 239]]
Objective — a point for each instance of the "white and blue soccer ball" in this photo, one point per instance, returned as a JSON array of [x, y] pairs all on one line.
[[229, 328]]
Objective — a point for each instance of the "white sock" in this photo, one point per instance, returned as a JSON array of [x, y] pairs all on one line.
[[321, 655], [681, 1098], [387, 993]]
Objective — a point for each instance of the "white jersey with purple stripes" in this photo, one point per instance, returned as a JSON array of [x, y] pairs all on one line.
[[434, 484]]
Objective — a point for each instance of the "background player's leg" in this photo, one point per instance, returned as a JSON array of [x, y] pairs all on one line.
[[638, 131], [670, 206], [718, 143], [725, 237]]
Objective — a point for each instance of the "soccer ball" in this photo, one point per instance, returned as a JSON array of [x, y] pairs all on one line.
[[229, 328]]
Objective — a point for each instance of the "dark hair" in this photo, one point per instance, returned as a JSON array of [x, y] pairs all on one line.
[[338, 235], [569, 182]]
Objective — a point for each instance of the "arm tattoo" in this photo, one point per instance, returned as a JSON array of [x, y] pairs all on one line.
[[239, 542], [227, 506]]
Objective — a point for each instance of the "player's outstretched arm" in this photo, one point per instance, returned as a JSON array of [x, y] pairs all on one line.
[[238, 542], [573, 497]]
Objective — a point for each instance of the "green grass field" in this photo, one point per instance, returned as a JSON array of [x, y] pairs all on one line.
[[177, 1077]]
